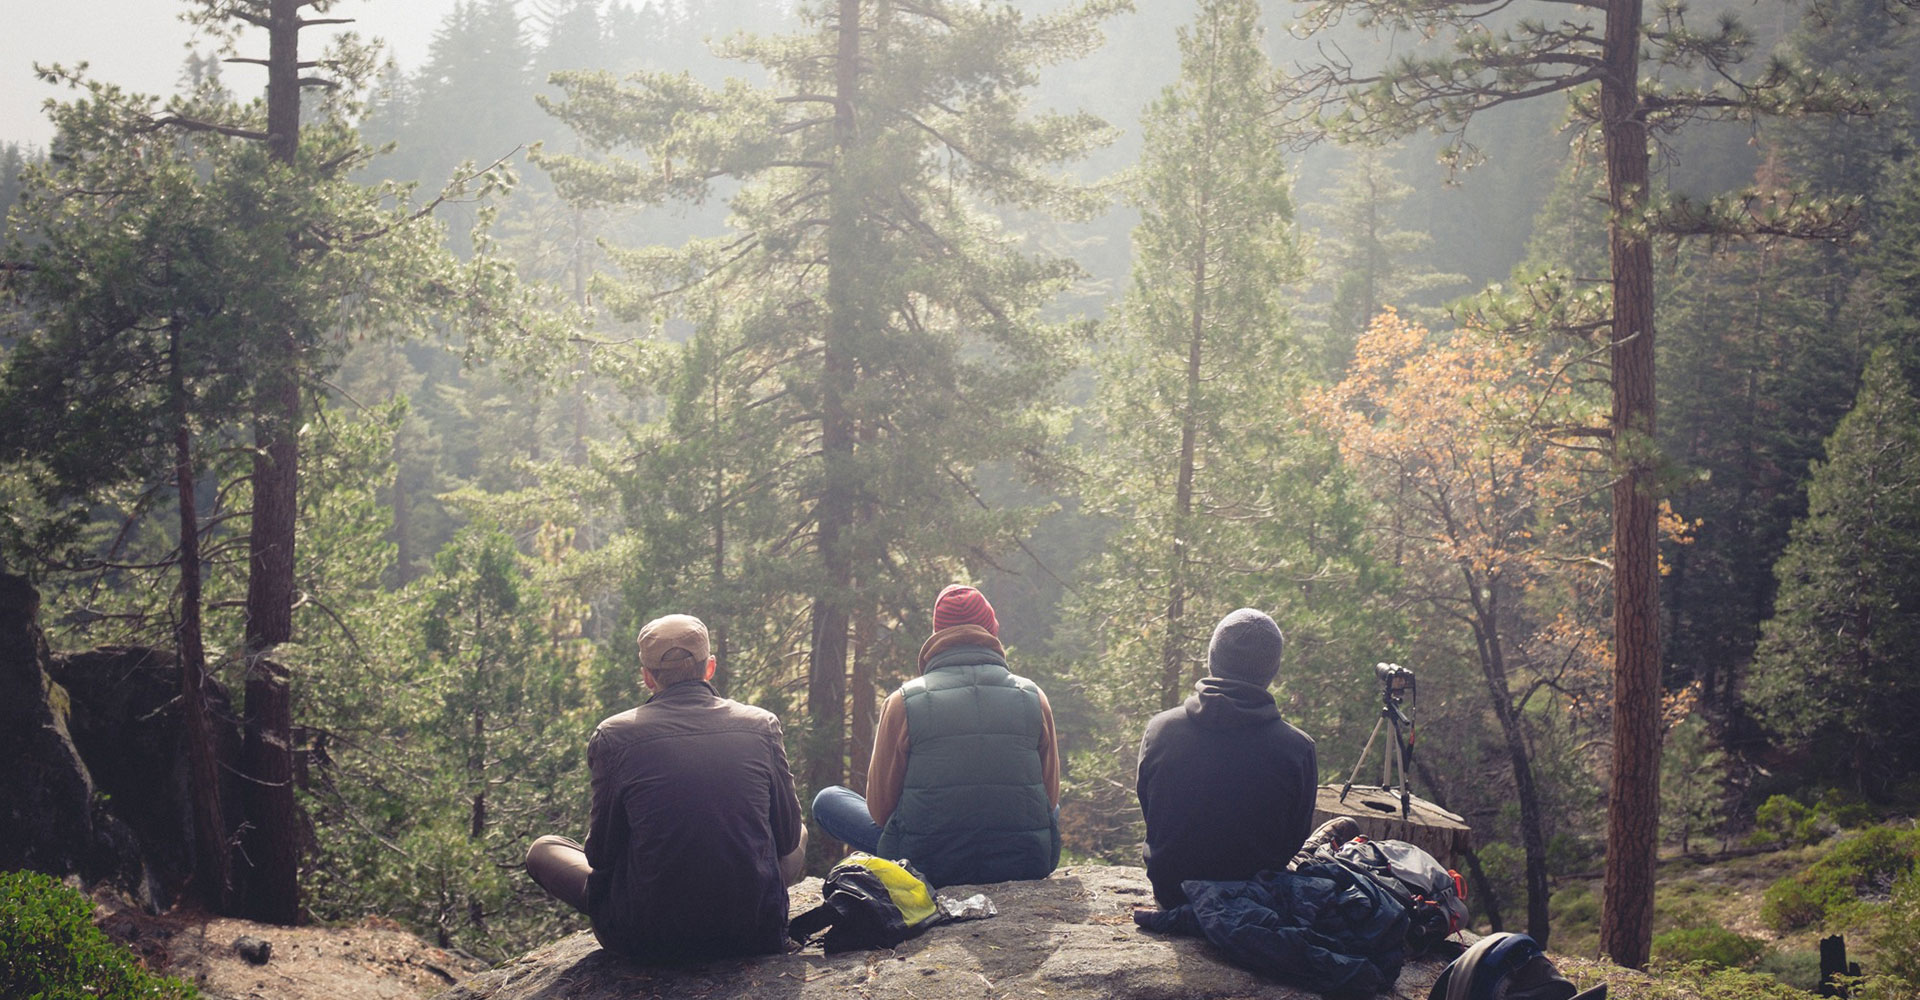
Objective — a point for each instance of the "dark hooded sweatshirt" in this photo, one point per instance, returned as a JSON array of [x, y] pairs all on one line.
[[1227, 788]]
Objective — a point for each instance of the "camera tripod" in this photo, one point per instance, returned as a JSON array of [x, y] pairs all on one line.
[[1396, 686]]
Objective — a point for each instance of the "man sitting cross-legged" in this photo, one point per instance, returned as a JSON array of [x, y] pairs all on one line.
[[696, 831]]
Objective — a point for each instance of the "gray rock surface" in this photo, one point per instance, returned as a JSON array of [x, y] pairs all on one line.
[[1068, 937]]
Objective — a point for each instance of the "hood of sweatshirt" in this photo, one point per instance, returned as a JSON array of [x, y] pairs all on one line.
[[1222, 703]]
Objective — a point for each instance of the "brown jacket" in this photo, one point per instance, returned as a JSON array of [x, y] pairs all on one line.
[[693, 806], [887, 768]]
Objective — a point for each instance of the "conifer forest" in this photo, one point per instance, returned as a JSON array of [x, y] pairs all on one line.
[[1565, 352]]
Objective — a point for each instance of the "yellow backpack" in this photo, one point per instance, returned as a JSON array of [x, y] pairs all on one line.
[[868, 902]]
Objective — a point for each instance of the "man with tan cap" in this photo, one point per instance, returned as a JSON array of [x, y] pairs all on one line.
[[696, 831]]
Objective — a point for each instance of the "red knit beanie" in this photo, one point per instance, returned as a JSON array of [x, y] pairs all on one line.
[[963, 605]]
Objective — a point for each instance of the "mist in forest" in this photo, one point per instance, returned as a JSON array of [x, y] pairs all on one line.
[[581, 312]]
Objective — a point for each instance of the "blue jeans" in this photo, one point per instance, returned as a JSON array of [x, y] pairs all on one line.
[[842, 815]]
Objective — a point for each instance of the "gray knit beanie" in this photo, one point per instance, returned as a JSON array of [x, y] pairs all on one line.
[[1245, 647]]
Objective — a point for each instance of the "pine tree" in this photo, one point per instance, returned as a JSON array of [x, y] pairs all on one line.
[[1190, 392], [286, 252], [1832, 671], [1765, 373], [866, 320], [1612, 62], [1365, 259]]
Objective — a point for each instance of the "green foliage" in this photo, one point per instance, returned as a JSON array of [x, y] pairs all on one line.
[[1864, 864], [1366, 260], [1713, 947], [1782, 819], [1704, 981], [1895, 937], [50, 949], [1799, 969], [1575, 909], [1692, 771], [1846, 811], [1832, 673], [1765, 369], [458, 741]]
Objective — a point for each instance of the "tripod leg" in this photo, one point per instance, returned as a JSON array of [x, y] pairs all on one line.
[[1399, 753], [1348, 787]]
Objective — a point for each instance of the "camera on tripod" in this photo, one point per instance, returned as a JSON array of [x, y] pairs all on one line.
[[1396, 682], [1397, 689]]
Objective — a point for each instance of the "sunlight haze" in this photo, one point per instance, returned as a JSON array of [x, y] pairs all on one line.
[[141, 45]]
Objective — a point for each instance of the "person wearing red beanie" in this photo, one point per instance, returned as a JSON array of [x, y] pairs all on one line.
[[965, 775], [959, 604]]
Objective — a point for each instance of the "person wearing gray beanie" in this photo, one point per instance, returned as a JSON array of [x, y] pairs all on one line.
[[1227, 787], [1245, 646]]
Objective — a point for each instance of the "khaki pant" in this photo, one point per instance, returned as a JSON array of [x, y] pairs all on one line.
[[559, 865]]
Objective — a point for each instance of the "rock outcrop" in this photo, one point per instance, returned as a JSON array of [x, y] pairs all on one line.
[[46, 793], [95, 777], [1068, 937], [126, 721]]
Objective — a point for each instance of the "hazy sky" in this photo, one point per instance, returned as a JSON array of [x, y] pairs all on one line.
[[141, 44]]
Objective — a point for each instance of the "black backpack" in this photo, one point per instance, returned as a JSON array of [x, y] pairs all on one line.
[[1434, 895], [868, 902], [1507, 967]]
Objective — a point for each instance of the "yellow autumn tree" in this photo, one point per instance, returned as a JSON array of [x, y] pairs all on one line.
[[1491, 511]]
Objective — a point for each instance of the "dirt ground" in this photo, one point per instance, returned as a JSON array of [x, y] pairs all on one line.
[[373, 960]]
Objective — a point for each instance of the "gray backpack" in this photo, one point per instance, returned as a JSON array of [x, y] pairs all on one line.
[[1434, 895]]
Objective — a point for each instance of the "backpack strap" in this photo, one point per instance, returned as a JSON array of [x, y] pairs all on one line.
[[803, 927]]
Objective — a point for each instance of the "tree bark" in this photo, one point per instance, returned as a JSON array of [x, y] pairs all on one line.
[[1173, 651], [213, 868], [827, 661], [1633, 793], [273, 881], [864, 698], [1487, 635], [273, 836]]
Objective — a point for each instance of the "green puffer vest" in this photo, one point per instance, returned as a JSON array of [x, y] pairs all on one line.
[[974, 808]]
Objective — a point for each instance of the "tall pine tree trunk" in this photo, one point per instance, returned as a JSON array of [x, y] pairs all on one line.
[[1173, 652], [1633, 793], [272, 851], [827, 661], [863, 696], [213, 868]]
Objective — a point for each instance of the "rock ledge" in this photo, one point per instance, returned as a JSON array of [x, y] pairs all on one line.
[[1068, 937]]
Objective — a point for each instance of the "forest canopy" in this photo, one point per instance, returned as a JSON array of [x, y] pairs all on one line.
[[1572, 363]]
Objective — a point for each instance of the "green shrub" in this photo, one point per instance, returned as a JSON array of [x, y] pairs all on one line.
[[1798, 969], [1782, 820], [1845, 811], [1895, 937], [50, 949], [1801, 900], [1875, 858], [1705, 983], [1715, 947], [1869, 863]]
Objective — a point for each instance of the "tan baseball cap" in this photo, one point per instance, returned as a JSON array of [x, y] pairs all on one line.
[[662, 637]]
